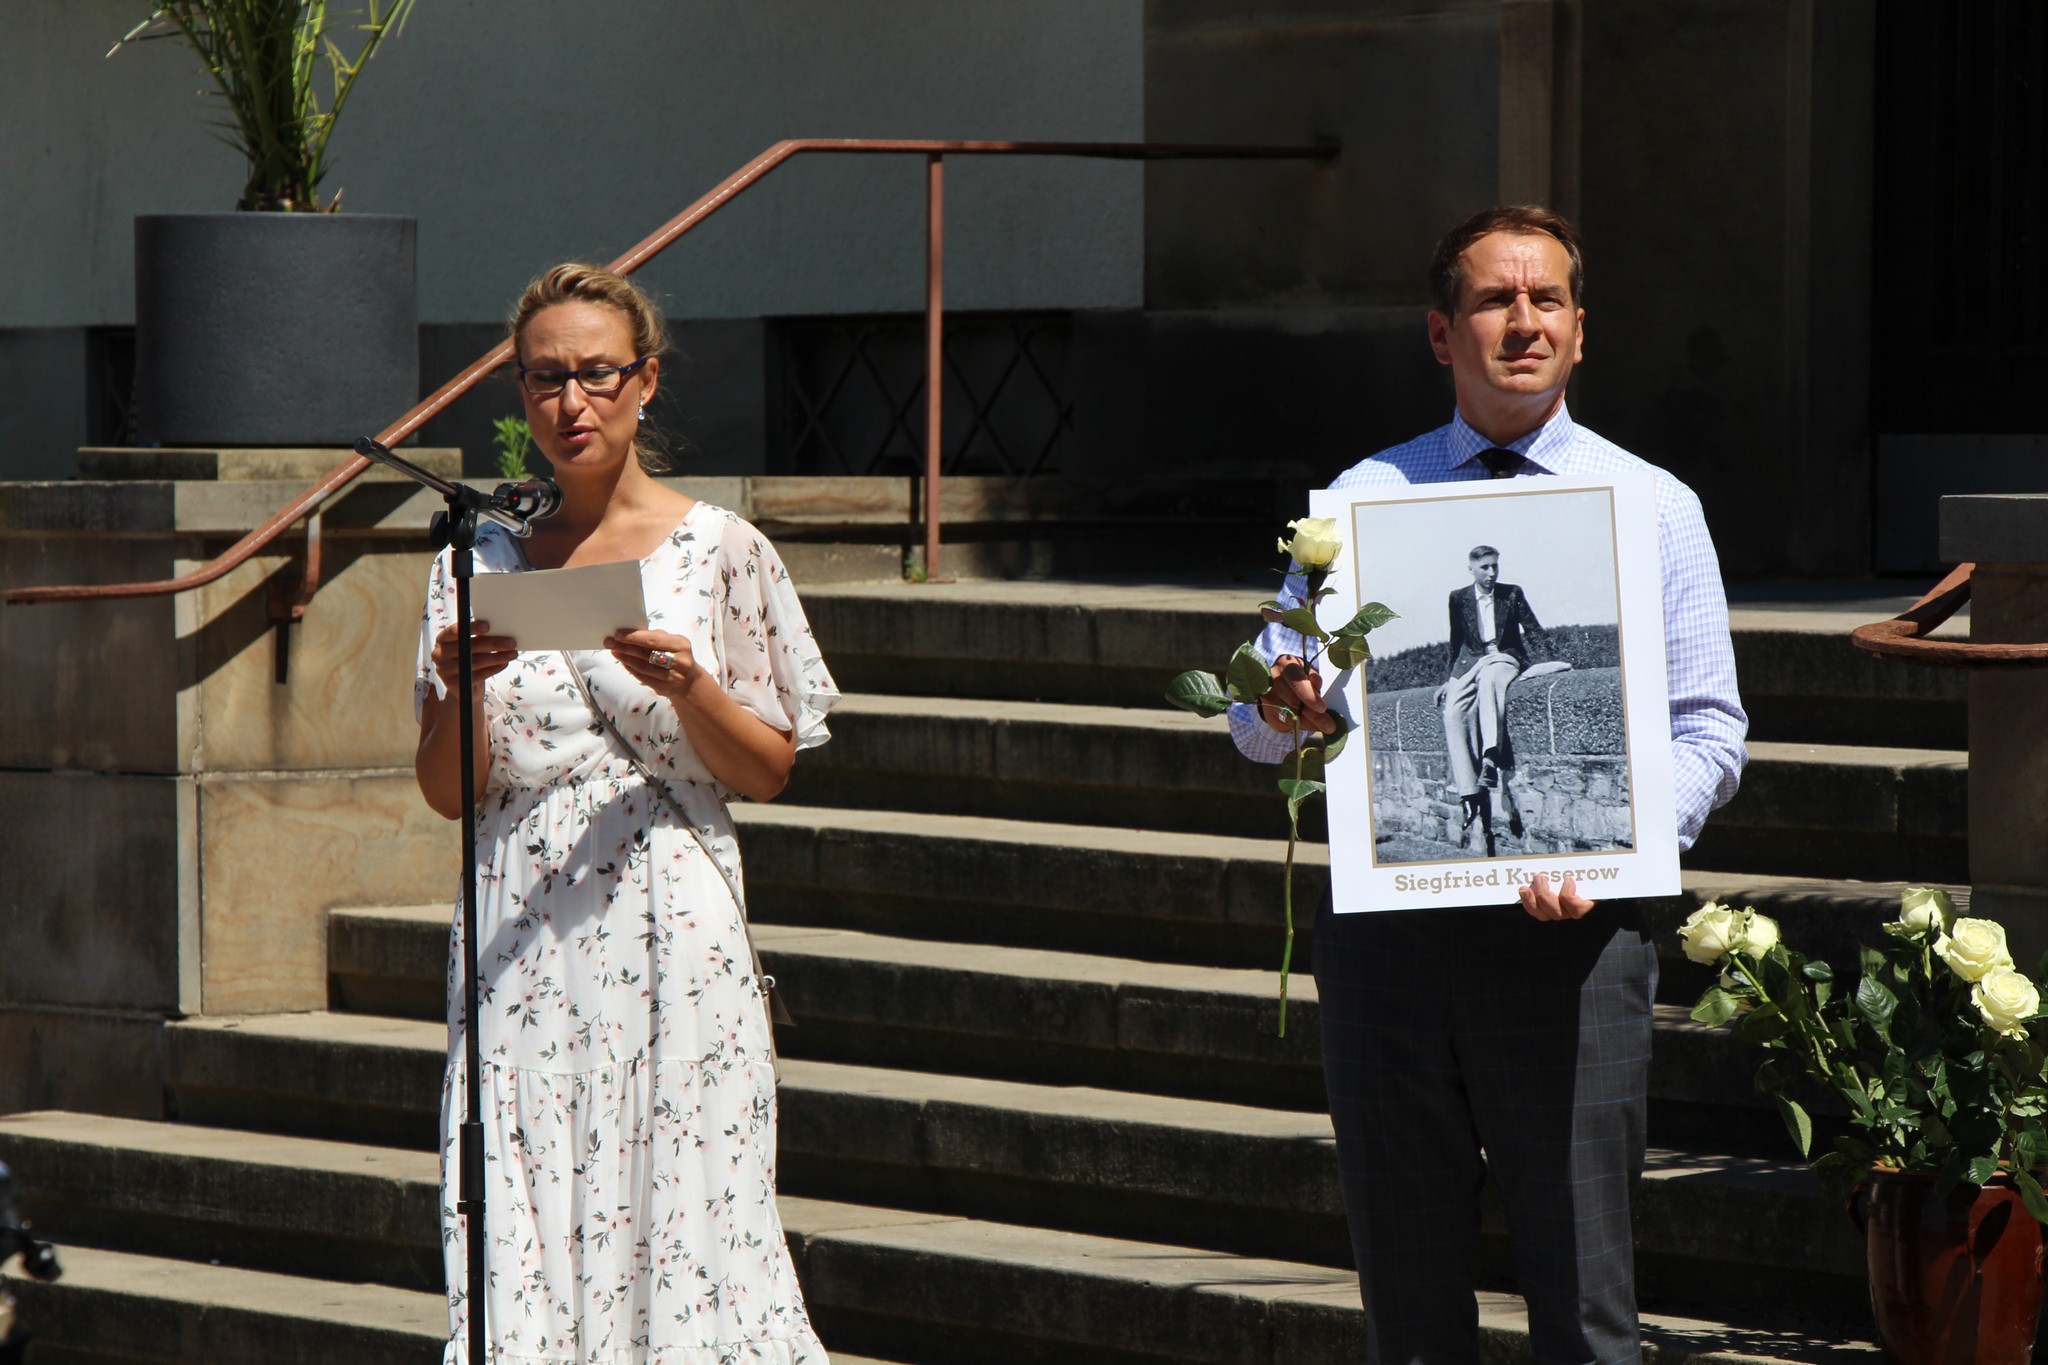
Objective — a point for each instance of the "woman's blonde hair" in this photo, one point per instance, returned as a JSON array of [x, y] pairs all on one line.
[[582, 282]]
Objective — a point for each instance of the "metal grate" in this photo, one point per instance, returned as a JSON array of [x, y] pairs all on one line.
[[852, 394]]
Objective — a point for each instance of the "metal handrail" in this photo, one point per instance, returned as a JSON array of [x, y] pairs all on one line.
[[1903, 637], [339, 477]]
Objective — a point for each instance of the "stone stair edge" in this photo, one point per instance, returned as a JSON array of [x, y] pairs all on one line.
[[842, 1248]]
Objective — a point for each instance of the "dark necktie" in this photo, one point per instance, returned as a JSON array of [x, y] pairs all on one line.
[[1501, 464]]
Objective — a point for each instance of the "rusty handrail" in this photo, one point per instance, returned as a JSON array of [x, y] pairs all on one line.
[[1903, 637], [724, 192]]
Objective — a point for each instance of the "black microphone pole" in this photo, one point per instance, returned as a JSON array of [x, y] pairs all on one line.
[[512, 506]]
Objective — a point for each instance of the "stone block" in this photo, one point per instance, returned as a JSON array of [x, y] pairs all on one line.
[[1994, 528], [280, 851], [347, 701], [91, 685], [248, 465], [98, 1061], [99, 905]]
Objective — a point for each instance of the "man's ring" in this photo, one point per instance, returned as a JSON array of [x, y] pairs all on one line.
[[661, 658]]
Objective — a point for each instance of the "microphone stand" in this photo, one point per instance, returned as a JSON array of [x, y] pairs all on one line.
[[515, 507]]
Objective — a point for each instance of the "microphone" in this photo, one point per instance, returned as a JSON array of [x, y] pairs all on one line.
[[528, 499], [514, 506]]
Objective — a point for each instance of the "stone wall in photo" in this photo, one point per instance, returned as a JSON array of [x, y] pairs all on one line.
[[1570, 778]]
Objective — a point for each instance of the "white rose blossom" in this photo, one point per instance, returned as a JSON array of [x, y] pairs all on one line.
[[1710, 933], [2007, 1000], [1926, 910], [1973, 948], [1759, 934], [1315, 544]]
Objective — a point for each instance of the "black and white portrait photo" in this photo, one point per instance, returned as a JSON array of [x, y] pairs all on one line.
[[1495, 709]]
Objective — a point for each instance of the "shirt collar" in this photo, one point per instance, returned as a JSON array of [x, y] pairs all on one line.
[[1544, 448]]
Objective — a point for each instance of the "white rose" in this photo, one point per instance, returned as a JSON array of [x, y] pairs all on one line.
[[1315, 544], [2006, 999], [1710, 933], [1758, 936], [1926, 910], [1973, 948]]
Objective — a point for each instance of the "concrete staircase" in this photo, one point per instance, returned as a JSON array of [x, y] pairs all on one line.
[[1034, 1107]]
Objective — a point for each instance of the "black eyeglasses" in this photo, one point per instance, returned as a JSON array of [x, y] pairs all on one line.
[[599, 381]]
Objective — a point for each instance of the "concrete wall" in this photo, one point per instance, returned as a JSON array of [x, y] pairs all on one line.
[[1716, 154], [521, 133]]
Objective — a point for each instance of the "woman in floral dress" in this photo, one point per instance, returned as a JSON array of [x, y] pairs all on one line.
[[628, 1086]]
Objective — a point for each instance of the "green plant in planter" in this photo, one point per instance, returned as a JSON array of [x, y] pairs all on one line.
[[1930, 1053], [265, 57]]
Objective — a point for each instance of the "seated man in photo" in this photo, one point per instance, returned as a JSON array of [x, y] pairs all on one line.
[[1492, 631]]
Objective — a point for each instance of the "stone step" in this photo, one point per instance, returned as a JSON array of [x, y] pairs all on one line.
[[1118, 643], [1803, 809], [1227, 1178], [1141, 894], [290, 1070], [124, 1308], [121, 1308], [1818, 810], [932, 1288], [1016, 1014]]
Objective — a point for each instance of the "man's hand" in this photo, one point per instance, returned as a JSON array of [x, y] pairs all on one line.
[[1563, 903], [1300, 689]]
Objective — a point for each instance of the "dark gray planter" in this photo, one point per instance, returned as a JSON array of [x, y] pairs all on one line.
[[273, 329]]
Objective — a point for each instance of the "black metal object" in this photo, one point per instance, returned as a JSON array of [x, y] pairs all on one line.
[[514, 506], [38, 1262], [851, 394]]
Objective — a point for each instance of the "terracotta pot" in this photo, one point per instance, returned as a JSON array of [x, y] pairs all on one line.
[[1954, 1281]]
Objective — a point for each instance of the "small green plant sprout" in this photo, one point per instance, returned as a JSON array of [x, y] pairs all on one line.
[[513, 439]]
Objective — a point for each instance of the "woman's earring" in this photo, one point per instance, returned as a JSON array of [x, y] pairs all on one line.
[[643, 412]]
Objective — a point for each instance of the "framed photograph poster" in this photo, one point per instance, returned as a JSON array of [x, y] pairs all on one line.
[[1512, 719]]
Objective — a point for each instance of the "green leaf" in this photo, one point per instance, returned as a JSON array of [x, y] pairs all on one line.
[[1817, 971], [1763, 1025], [1303, 620], [1333, 743], [1370, 617], [1198, 692], [1715, 1008], [1249, 677], [1876, 1005], [1982, 1169], [1347, 651], [1310, 768], [1298, 791], [1797, 1122], [2031, 1194]]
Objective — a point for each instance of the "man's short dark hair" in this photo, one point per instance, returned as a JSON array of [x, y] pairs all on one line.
[[1480, 552], [1446, 267]]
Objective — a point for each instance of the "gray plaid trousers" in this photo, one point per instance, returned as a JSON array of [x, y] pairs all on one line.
[[1448, 1033]]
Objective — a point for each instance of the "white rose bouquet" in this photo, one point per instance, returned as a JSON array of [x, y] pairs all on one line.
[[1313, 551], [1934, 1054]]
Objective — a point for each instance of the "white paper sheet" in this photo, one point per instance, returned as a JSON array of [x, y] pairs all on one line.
[[561, 608], [1592, 785]]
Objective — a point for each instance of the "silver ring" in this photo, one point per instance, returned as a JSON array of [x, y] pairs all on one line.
[[661, 658]]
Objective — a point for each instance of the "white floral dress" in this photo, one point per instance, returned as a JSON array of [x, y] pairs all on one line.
[[629, 1092]]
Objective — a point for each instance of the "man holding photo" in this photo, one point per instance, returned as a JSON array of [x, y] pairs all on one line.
[[1495, 1040]]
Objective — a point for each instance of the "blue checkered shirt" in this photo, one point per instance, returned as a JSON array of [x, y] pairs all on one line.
[[1707, 720]]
